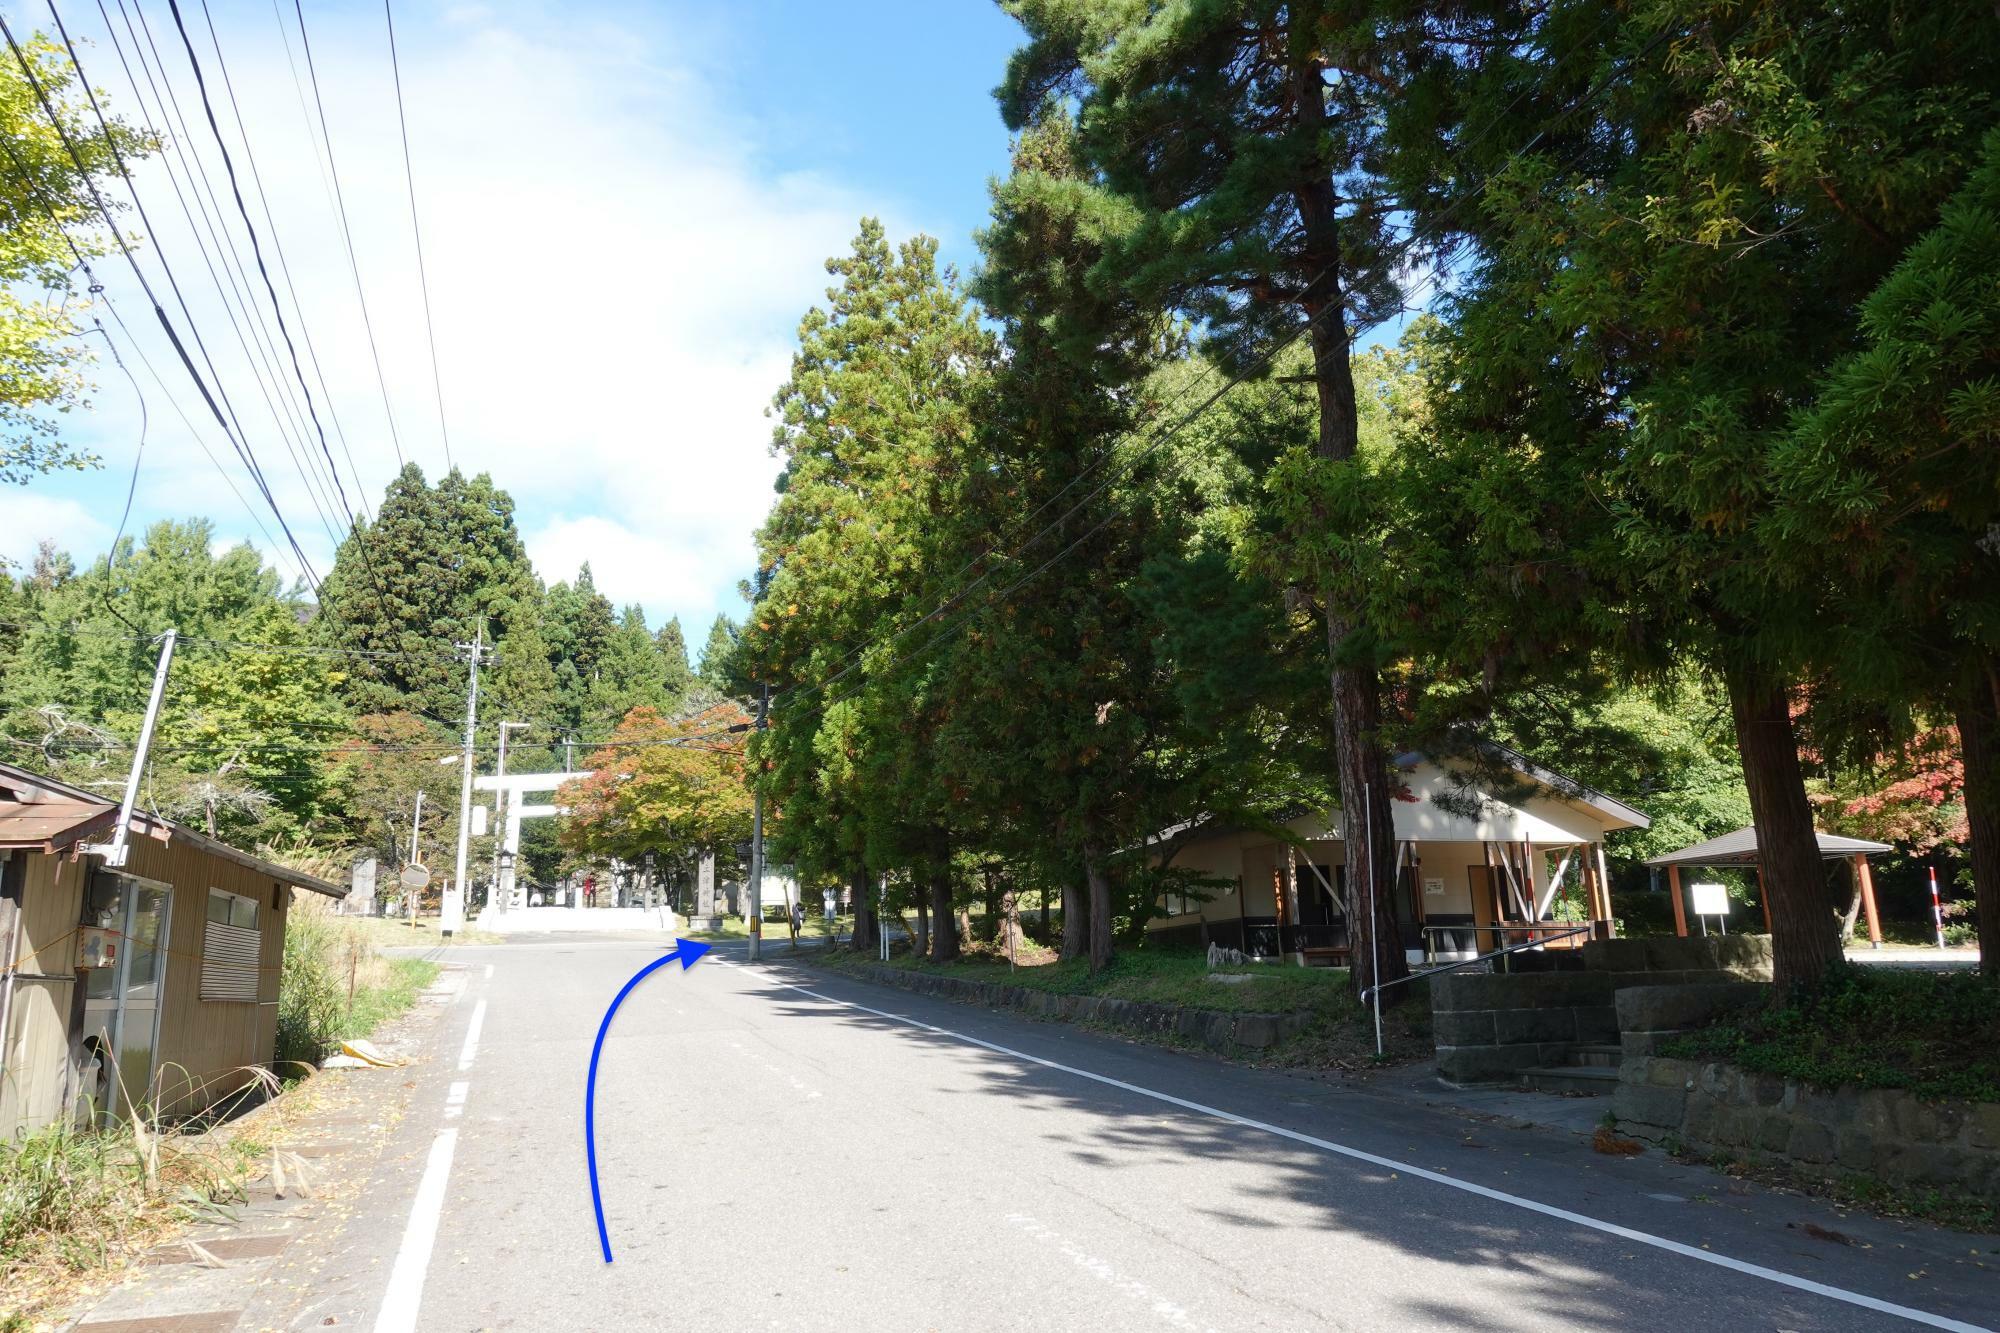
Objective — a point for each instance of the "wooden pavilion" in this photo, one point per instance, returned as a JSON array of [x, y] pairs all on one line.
[[1738, 851]]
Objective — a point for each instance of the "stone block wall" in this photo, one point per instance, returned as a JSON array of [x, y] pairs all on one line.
[[1491, 1027], [1884, 1133]]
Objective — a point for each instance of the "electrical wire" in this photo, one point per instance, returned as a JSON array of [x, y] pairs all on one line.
[[209, 395], [416, 231], [347, 234]]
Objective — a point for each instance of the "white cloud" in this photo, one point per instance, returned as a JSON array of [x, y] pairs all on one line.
[[615, 280], [28, 518]]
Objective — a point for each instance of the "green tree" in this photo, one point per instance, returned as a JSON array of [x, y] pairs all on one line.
[[439, 565], [1242, 140], [1661, 282], [713, 669], [41, 352], [631, 674], [876, 434], [662, 784], [1887, 490], [674, 658], [578, 625]]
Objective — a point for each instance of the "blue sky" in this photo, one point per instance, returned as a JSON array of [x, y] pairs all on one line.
[[625, 211]]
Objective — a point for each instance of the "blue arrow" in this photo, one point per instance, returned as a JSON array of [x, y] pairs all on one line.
[[686, 952]]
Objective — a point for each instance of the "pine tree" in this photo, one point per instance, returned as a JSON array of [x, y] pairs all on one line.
[[631, 674], [713, 670], [1243, 140], [674, 658], [437, 566], [578, 624]]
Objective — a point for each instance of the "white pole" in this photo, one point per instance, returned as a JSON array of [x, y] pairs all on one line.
[[114, 851], [757, 847], [453, 915], [1374, 932]]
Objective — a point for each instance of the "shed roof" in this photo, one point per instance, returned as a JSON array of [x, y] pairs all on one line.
[[45, 815], [1740, 849]]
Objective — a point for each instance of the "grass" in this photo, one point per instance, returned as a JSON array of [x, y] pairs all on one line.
[[399, 984], [337, 986], [1339, 1033], [1934, 1034], [775, 932], [398, 932], [76, 1203]]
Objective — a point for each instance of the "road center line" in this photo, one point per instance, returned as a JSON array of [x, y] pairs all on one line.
[[471, 1047], [413, 1257], [1782, 1279]]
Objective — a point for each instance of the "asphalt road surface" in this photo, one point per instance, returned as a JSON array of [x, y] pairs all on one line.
[[788, 1150]]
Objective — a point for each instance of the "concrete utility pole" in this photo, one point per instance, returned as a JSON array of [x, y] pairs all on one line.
[[502, 855], [757, 843], [454, 897], [113, 852]]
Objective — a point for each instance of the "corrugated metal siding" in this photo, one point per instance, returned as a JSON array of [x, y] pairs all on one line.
[[229, 960]]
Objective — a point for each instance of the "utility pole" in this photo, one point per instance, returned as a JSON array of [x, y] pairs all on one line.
[[416, 827], [454, 897], [113, 852], [757, 841], [502, 861]]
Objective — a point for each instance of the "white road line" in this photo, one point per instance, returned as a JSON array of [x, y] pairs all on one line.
[[413, 1257], [1437, 1178], [1102, 1270], [454, 1099], [489, 971], [471, 1047]]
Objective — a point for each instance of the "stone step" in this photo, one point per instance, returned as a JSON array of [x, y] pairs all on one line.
[[1581, 1080], [1595, 1055]]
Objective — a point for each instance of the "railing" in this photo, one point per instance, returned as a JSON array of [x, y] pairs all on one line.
[[1369, 993]]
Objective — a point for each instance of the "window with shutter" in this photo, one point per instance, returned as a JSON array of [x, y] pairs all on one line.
[[231, 948]]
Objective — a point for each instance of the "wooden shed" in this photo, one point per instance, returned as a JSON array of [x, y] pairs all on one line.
[[154, 983]]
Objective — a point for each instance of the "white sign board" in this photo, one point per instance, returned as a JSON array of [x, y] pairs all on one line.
[[1710, 899], [1433, 888], [414, 877], [478, 821]]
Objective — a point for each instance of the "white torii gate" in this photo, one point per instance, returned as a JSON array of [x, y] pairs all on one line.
[[512, 788]]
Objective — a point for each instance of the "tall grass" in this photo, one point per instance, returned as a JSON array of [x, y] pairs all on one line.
[[335, 986]]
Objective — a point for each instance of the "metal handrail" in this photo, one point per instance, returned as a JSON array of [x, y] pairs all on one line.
[[1370, 992]]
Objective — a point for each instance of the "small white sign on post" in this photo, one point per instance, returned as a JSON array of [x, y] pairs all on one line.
[[1433, 888], [1711, 900], [478, 821]]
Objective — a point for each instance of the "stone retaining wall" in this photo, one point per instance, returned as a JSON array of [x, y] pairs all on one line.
[[1890, 1135], [1491, 1027], [1219, 1030]]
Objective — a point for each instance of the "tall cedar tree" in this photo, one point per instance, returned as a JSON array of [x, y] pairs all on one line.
[[876, 434], [1058, 696], [1888, 490], [1244, 135], [1709, 193], [438, 564]]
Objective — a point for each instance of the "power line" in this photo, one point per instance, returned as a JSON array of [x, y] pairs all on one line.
[[262, 361], [416, 231], [270, 289], [208, 396], [347, 234]]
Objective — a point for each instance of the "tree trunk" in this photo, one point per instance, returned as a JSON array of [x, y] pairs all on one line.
[[943, 929], [864, 908], [1804, 941], [1361, 763], [1076, 918], [1853, 910], [1979, 743], [1100, 906]]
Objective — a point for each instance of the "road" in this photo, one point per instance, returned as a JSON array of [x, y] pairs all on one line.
[[784, 1149]]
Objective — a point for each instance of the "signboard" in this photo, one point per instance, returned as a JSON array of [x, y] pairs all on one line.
[[1710, 899], [1433, 888], [478, 821], [415, 877]]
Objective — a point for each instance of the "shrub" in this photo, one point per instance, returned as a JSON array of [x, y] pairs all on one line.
[[1935, 1034], [312, 989]]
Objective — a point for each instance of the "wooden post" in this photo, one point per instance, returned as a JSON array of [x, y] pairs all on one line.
[[1868, 899], [1764, 897], [1680, 908]]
